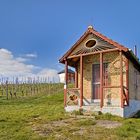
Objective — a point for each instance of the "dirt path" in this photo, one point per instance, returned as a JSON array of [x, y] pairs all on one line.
[[75, 126]]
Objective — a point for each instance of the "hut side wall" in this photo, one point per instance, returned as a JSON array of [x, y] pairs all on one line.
[[134, 91], [134, 82]]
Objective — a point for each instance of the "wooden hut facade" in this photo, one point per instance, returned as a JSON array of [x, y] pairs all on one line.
[[107, 76]]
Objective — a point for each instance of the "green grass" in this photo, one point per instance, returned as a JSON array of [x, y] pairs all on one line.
[[42, 117], [18, 116]]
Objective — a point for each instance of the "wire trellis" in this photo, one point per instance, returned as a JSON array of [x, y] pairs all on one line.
[[18, 87]]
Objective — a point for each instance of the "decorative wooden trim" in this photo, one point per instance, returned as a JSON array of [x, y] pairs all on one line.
[[111, 86], [127, 80], [76, 77], [66, 80], [72, 89], [92, 31], [92, 53], [72, 96], [110, 41], [121, 78], [101, 79], [81, 81]]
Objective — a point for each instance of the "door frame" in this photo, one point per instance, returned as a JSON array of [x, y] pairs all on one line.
[[92, 99], [96, 100]]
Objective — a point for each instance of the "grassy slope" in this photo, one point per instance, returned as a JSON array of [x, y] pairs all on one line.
[[18, 116]]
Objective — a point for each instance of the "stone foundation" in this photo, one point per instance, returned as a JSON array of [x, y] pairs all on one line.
[[134, 106], [128, 111]]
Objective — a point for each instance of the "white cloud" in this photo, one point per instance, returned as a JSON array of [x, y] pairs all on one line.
[[5, 54], [21, 59], [9, 65], [25, 57], [31, 55], [16, 66]]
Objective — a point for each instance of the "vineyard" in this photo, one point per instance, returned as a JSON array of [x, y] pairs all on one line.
[[19, 89], [30, 114]]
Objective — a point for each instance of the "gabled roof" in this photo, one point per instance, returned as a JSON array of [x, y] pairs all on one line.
[[128, 53], [90, 30]]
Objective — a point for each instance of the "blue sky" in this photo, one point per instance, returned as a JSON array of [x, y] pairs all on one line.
[[47, 28]]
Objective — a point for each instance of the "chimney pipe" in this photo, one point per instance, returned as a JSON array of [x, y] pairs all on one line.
[[135, 50]]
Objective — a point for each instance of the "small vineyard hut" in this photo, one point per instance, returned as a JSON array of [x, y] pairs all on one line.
[[107, 76]]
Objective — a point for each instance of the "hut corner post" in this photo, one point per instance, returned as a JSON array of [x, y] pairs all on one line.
[[121, 78], [65, 85], [76, 77], [101, 79], [81, 81], [127, 80]]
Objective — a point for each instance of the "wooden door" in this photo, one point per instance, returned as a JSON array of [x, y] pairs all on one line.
[[96, 81]]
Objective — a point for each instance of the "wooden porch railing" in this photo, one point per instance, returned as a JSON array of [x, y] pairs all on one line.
[[125, 93], [73, 95]]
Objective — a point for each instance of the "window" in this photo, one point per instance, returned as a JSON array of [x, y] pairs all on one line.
[[105, 75], [90, 43]]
